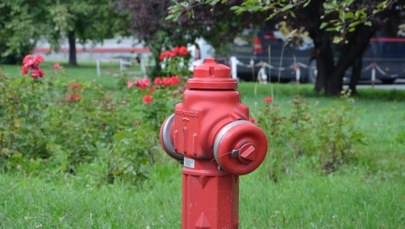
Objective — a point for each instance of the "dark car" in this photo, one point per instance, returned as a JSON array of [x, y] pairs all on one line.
[[288, 55]]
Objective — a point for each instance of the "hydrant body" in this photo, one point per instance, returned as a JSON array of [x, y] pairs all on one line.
[[210, 133]]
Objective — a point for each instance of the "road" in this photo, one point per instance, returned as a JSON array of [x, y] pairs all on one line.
[[399, 85]]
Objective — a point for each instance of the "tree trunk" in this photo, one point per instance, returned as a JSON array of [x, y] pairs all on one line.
[[323, 50], [356, 73], [330, 76], [325, 66], [72, 48], [350, 55], [334, 84], [156, 49]]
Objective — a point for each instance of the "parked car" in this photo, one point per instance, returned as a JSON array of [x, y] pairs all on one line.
[[289, 54]]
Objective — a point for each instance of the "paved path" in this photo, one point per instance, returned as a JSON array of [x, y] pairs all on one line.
[[399, 85]]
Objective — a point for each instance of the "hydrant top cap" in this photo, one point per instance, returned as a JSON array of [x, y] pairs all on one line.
[[211, 75], [210, 69]]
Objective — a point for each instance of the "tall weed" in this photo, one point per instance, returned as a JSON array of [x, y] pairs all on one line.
[[322, 136]]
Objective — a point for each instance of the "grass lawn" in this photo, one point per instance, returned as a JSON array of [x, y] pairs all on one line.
[[368, 193]]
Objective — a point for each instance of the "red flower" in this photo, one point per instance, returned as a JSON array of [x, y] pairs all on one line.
[[252, 120], [72, 97], [268, 99], [158, 81], [176, 50], [183, 51], [162, 56], [151, 89], [166, 81], [142, 84], [74, 86], [147, 99], [166, 54], [175, 80]]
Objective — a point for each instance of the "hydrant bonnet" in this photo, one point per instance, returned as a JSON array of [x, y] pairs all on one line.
[[212, 76]]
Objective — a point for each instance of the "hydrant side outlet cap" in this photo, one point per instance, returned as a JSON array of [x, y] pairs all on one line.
[[211, 75], [240, 147]]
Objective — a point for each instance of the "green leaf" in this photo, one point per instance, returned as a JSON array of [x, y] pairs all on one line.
[[337, 39], [349, 15], [292, 14], [330, 6], [368, 23], [354, 24], [323, 25]]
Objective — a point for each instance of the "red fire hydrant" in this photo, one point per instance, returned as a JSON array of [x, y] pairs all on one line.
[[210, 134]]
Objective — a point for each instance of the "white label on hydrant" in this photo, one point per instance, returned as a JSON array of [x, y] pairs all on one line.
[[189, 163]]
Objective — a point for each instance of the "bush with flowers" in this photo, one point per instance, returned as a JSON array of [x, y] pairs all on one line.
[[176, 62], [52, 124]]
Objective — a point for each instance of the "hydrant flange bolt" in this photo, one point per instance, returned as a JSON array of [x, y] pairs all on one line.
[[234, 153]]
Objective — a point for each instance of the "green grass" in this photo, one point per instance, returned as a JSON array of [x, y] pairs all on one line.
[[349, 200], [34, 202], [86, 71], [369, 193], [313, 201]]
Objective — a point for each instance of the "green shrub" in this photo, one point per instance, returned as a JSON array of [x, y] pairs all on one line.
[[55, 125], [324, 137]]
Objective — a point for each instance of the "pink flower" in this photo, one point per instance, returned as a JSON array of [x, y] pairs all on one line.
[[74, 86], [147, 99], [26, 59], [130, 84], [32, 63], [24, 70], [268, 99], [72, 97], [37, 73], [56, 66], [37, 60]]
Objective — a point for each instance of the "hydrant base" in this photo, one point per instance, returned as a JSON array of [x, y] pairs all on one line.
[[210, 199]]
